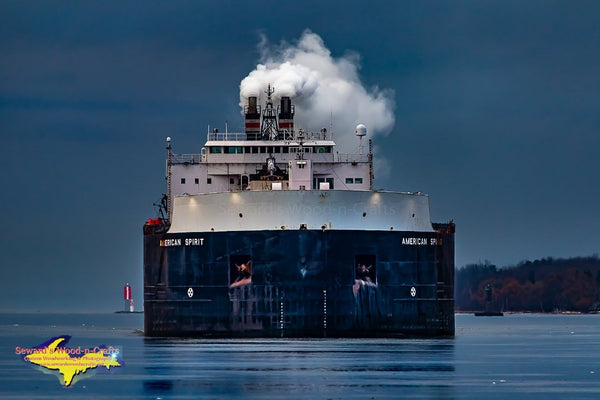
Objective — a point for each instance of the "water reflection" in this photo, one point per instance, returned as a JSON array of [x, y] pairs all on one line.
[[284, 368]]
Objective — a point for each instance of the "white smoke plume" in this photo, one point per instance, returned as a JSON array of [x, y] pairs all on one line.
[[322, 88]]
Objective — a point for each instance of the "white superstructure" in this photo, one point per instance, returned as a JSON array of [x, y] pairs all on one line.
[[275, 177]]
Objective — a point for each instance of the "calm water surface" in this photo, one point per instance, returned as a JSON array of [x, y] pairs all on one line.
[[517, 356]]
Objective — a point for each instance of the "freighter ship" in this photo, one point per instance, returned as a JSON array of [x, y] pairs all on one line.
[[272, 233]]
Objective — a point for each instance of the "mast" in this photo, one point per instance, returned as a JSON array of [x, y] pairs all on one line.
[[268, 128], [168, 179]]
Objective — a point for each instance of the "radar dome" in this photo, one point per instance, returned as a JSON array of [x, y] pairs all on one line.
[[361, 130]]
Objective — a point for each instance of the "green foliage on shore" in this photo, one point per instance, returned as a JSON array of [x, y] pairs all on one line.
[[545, 285]]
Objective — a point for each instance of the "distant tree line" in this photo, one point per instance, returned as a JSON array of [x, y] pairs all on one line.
[[545, 285]]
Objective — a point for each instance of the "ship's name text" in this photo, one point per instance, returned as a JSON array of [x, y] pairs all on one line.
[[420, 241], [179, 242]]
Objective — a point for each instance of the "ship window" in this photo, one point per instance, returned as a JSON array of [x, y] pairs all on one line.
[[365, 268], [216, 149], [231, 180], [263, 149], [239, 150], [277, 149], [358, 180], [240, 270], [183, 181], [208, 181], [196, 181], [254, 149], [316, 182], [285, 149], [349, 180]]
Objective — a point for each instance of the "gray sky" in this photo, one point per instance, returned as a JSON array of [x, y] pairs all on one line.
[[496, 118]]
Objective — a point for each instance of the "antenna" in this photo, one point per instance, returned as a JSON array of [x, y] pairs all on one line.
[[300, 154], [331, 124]]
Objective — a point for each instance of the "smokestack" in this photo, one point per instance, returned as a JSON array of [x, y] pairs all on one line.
[[252, 105], [252, 111], [286, 117]]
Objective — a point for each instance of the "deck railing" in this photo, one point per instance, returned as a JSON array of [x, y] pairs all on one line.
[[186, 158], [198, 158], [352, 158], [242, 136], [223, 136]]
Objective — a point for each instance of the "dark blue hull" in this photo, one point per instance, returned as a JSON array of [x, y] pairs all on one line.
[[299, 283]]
